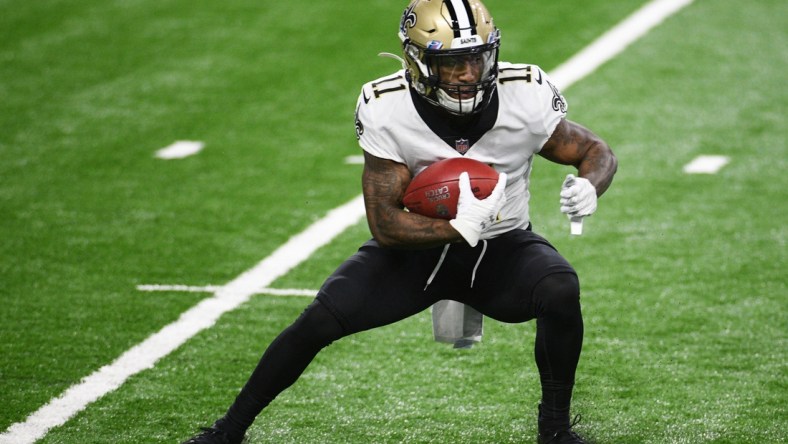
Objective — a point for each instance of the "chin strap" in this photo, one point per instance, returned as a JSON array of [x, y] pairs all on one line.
[[459, 106]]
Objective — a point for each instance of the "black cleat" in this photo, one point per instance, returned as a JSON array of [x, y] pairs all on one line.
[[565, 436], [213, 435]]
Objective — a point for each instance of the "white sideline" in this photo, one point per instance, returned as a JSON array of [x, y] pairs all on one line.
[[289, 255]]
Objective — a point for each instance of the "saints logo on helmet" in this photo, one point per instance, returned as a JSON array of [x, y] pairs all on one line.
[[451, 53]]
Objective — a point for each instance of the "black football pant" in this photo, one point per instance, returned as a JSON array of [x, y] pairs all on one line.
[[513, 278]]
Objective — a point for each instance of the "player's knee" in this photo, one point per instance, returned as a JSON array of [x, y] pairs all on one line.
[[558, 295], [317, 326]]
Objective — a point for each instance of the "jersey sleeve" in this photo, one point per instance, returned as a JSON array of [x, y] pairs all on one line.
[[371, 129], [552, 102], [533, 100]]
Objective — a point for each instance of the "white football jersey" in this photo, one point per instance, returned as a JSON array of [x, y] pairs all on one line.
[[389, 126]]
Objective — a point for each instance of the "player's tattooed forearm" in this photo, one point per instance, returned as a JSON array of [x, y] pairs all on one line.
[[599, 165]]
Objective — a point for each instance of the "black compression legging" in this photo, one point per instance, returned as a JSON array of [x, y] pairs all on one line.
[[559, 338], [283, 363]]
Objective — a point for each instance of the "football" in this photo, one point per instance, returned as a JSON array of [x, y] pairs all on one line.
[[435, 190]]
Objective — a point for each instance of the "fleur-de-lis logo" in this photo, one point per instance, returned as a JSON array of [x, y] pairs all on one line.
[[408, 19], [359, 126], [559, 103]]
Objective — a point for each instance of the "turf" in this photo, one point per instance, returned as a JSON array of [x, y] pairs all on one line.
[[684, 289]]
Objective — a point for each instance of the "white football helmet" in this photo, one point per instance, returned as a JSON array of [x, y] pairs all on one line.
[[443, 40]]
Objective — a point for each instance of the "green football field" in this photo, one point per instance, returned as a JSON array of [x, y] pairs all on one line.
[[683, 275]]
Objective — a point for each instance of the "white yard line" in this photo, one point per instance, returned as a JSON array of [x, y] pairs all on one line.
[[614, 41], [297, 249], [706, 164], [180, 150], [201, 316], [355, 160], [180, 288], [215, 288]]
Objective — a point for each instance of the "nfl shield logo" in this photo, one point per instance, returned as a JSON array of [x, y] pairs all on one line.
[[462, 146]]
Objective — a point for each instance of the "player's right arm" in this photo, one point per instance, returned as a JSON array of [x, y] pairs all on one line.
[[383, 183]]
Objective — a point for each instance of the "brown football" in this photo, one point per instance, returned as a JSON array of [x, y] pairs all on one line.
[[435, 190]]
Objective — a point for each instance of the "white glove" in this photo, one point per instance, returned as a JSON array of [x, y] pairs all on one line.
[[578, 197], [473, 215]]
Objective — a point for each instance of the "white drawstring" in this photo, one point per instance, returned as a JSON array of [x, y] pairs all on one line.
[[479, 261], [443, 257], [438, 266]]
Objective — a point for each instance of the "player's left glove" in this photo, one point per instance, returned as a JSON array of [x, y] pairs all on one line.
[[578, 197], [474, 216]]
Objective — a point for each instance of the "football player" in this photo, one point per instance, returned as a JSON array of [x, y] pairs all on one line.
[[452, 98]]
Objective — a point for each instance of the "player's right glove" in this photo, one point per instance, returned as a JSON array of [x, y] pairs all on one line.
[[476, 215]]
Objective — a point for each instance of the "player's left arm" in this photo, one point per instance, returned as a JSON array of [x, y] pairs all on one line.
[[573, 144]]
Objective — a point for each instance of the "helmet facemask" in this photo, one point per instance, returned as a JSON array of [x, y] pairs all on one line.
[[451, 66], [463, 79]]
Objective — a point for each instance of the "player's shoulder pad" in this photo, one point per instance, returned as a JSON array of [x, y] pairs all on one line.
[[380, 99], [383, 96], [528, 83], [512, 72], [384, 87]]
